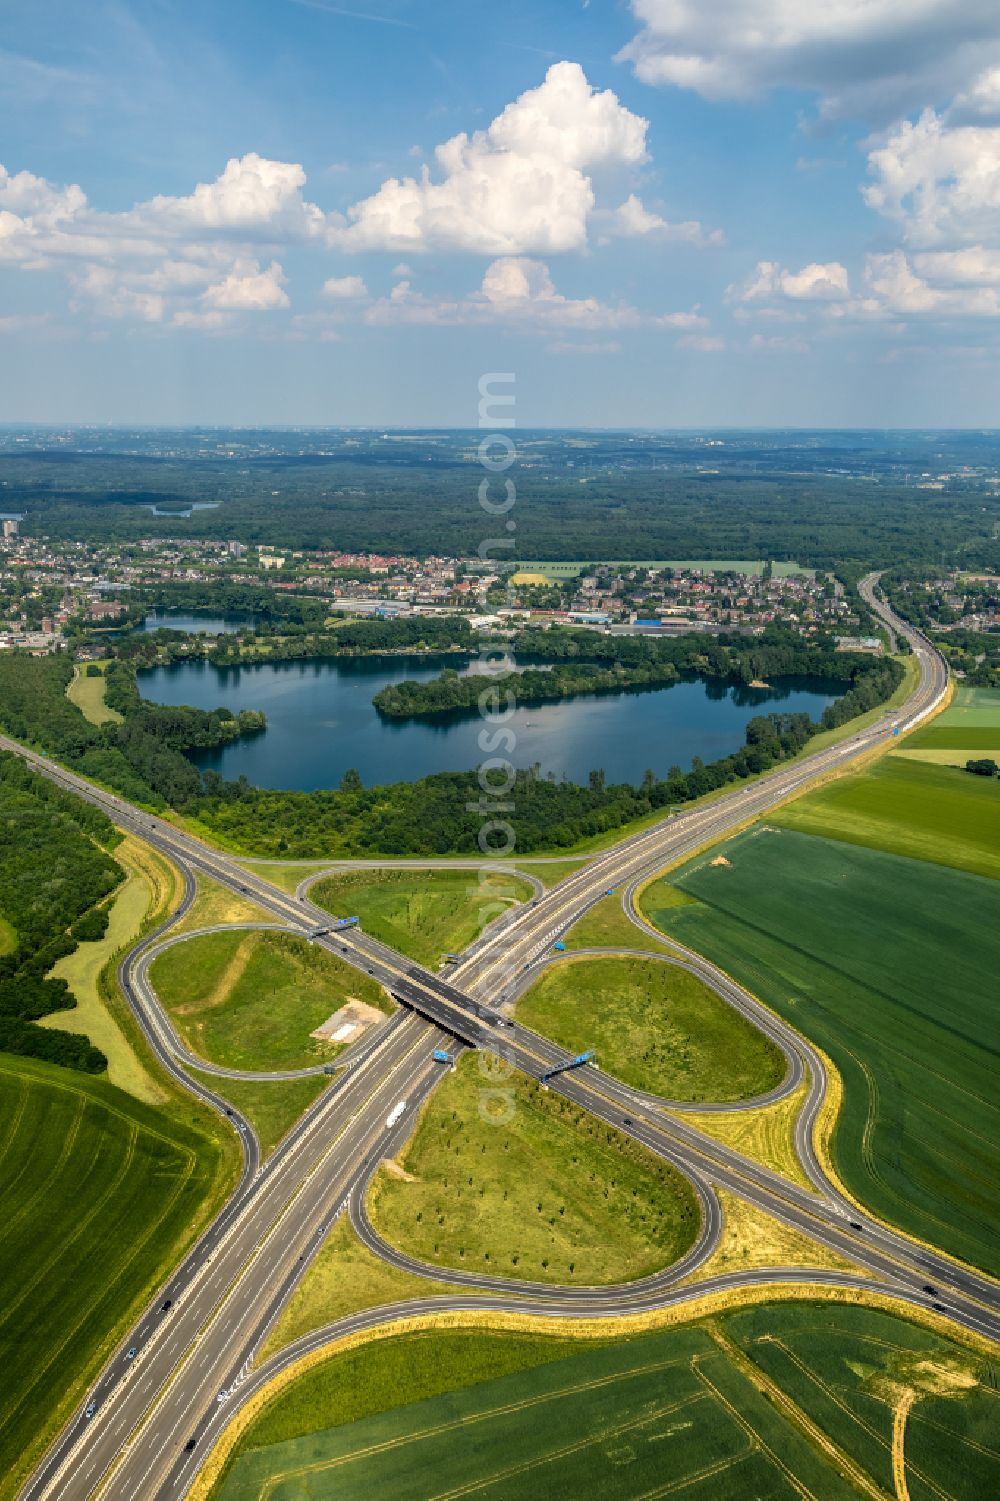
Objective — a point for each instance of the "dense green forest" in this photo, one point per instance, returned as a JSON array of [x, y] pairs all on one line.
[[752, 509], [144, 759], [451, 692], [56, 868]]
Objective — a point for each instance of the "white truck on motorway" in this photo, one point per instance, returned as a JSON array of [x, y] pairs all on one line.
[[395, 1113]]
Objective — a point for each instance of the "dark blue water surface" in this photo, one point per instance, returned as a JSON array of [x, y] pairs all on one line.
[[321, 721], [184, 620]]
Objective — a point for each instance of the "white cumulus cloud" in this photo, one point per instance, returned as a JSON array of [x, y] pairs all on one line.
[[828, 282], [252, 193], [522, 184], [344, 286], [519, 291], [248, 288], [863, 57], [940, 182], [633, 220]]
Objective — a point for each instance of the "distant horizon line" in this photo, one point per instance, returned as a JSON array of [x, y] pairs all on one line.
[[426, 429]]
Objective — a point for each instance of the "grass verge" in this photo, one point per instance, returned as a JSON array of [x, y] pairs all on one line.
[[272, 1106], [343, 1278], [766, 1134], [82, 970], [654, 1026], [423, 913], [250, 1000], [752, 1240], [606, 925], [519, 1182], [216, 905]]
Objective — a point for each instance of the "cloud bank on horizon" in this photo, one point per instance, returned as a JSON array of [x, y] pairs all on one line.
[[503, 223]]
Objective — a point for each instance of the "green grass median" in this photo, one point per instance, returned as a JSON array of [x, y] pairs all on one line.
[[654, 1026], [510, 1179]]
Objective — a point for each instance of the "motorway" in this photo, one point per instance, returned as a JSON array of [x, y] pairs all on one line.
[[235, 1282]]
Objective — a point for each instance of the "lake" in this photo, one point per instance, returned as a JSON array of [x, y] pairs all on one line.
[[321, 721], [185, 620]]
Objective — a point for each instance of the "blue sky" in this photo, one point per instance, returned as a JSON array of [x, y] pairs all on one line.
[[657, 212]]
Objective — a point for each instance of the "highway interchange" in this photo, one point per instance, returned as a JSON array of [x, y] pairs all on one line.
[[156, 1414]]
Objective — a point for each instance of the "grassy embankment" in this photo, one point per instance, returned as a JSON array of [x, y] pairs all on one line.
[[289, 873], [515, 1181], [425, 914], [752, 1240], [216, 905], [606, 925], [86, 972], [655, 1026], [881, 960], [342, 1279], [87, 693], [272, 1106], [250, 1000], [773, 1400]]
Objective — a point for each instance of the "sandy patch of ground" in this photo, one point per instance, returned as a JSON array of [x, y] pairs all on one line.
[[348, 1023], [395, 1170]]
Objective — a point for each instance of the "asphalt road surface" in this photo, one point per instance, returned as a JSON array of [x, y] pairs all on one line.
[[234, 1283]]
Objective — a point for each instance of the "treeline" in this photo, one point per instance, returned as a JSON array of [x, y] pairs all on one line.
[[143, 757], [429, 507], [271, 609], [436, 815], [777, 652], [632, 662], [56, 870], [451, 692], [440, 815], [295, 643]]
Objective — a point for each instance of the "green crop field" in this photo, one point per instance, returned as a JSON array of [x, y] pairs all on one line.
[[424, 913], [681, 1410], [888, 964], [910, 808], [98, 1195], [8, 937], [848, 1368], [971, 708], [969, 726], [946, 736], [250, 999], [515, 1181], [654, 1026]]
